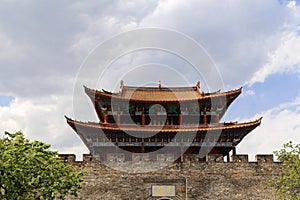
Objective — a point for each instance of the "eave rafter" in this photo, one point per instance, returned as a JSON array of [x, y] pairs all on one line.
[[165, 129]]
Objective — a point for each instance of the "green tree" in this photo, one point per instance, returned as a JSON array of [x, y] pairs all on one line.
[[30, 170], [288, 182]]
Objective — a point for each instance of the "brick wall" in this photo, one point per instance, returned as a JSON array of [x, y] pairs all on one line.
[[213, 179]]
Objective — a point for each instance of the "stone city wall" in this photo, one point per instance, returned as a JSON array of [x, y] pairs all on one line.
[[190, 179]]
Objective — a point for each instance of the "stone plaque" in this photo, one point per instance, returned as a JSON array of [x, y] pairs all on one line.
[[163, 190]]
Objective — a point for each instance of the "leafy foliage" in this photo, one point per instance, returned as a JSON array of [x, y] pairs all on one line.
[[288, 183], [29, 170]]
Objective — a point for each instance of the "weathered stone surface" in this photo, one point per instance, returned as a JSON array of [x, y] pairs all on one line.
[[214, 179]]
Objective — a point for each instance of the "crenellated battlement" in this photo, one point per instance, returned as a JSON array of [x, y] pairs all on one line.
[[264, 158], [242, 158], [138, 158]]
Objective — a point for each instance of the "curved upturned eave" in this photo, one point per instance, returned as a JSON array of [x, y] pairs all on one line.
[[230, 95], [165, 129]]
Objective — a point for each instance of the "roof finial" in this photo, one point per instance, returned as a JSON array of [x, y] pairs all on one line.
[[198, 85], [159, 84], [121, 85]]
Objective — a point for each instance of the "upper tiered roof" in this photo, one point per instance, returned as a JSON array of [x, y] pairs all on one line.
[[162, 94]]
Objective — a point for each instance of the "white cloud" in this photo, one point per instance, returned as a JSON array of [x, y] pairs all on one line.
[[285, 59], [239, 38], [42, 120], [112, 18], [279, 125], [10, 50], [238, 35], [247, 93], [291, 4]]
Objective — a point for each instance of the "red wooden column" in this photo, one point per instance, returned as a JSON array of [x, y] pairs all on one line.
[[217, 117], [105, 118], [98, 109], [143, 119], [179, 119]]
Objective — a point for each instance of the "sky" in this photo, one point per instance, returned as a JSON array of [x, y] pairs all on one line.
[[44, 44]]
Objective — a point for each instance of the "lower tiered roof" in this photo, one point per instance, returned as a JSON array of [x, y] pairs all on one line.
[[222, 136], [165, 128]]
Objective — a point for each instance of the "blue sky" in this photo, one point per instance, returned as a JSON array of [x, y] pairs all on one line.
[[253, 44], [275, 90], [5, 100]]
